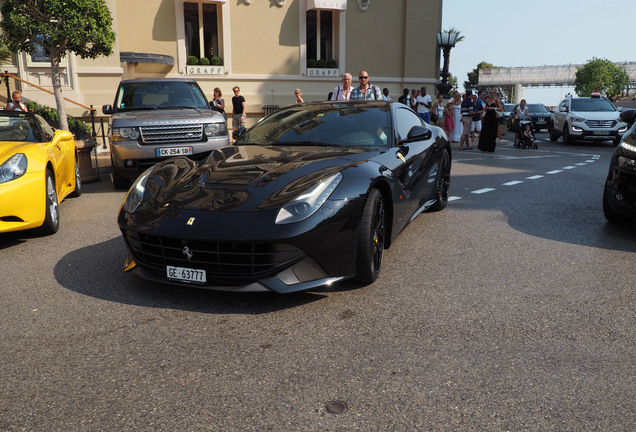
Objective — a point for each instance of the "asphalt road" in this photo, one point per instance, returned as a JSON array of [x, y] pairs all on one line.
[[512, 310]]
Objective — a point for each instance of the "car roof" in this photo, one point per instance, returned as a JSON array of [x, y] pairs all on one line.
[[142, 80]]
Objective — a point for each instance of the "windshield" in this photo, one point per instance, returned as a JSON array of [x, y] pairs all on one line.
[[329, 124], [537, 108], [592, 104], [18, 128], [160, 95]]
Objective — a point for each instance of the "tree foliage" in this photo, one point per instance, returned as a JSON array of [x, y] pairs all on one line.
[[473, 77], [602, 76], [57, 26]]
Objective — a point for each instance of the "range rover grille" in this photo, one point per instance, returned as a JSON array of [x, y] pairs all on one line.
[[172, 133]]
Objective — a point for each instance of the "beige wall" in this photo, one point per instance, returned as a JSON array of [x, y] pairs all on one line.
[[394, 40]]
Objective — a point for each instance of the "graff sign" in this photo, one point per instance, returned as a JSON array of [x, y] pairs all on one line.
[[205, 70], [322, 72]]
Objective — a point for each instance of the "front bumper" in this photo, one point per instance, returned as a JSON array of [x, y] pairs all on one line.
[[22, 202], [620, 185], [131, 158], [582, 131], [242, 252]]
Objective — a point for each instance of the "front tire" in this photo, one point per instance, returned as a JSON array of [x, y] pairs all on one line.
[[443, 183], [78, 182], [553, 135], [119, 181], [51, 211], [567, 138], [371, 239]]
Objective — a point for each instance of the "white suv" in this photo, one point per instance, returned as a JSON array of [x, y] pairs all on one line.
[[588, 118]]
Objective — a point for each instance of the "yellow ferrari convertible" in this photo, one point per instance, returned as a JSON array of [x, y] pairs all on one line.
[[38, 169]]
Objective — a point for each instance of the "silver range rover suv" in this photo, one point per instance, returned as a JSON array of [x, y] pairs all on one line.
[[155, 119]]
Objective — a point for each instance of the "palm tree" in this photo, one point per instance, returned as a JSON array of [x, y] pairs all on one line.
[[454, 30], [5, 54]]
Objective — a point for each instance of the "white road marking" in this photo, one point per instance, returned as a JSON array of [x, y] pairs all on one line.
[[481, 191], [534, 177]]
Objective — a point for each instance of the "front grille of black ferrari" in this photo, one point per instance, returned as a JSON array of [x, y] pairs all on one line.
[[172, 133], [224, 262]]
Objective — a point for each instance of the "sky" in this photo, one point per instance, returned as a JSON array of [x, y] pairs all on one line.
[[513, 33]]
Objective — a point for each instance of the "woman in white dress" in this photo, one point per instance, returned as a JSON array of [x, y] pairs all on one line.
[[456, 133]]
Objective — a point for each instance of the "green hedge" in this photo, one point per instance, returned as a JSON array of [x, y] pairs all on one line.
[[80, 130]]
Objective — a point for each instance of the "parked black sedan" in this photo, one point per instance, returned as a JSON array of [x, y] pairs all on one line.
[[619, 194], [310, 195], [540, 117]]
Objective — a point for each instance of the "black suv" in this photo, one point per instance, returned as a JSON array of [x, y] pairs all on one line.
[[540, 117], [154, 119]]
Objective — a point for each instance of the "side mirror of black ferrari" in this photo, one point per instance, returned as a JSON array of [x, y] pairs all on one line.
[[237, 133], [418, 133], [628, 116]]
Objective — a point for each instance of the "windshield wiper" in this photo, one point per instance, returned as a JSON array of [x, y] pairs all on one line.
[[150, 108]]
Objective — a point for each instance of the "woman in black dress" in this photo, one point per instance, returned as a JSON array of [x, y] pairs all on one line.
[[490, 124]]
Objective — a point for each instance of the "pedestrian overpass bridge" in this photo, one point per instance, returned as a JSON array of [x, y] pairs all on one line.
[[539, 76]]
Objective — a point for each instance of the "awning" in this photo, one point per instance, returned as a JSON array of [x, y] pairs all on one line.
[[337, 5], [134, 57]]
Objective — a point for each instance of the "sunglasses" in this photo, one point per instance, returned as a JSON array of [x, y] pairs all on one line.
[[363, 77]]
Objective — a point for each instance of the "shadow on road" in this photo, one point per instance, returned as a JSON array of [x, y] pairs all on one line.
[[96, 271]]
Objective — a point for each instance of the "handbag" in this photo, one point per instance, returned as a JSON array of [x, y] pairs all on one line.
[[499, 113], [434, 117]]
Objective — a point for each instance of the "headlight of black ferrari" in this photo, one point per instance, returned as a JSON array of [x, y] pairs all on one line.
[[13, 167], [136, 193], [307, 204]]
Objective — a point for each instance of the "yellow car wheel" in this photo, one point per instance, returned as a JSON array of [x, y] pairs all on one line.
[[52, 215]]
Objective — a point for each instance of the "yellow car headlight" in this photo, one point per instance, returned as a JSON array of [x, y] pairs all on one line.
[[13, 168]]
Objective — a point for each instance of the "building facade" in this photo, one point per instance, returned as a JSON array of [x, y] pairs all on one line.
[[266, 47]]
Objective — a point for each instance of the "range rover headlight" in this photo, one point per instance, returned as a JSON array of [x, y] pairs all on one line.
[[307, 204], [213, 129], [13, 168], [125, 134]]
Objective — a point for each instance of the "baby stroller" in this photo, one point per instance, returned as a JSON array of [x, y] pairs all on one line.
[[524, 136]]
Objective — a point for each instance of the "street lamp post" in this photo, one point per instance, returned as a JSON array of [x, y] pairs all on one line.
[[446, 41]]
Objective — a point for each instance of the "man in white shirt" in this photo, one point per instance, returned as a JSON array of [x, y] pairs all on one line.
[[343, 92], [424, 103]]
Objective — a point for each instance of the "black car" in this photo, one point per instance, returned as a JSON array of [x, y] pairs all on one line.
[[619, 194], [310, 195], [540, 117]]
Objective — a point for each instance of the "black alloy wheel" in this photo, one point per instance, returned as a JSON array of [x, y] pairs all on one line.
[[443, 183], [371, 239]]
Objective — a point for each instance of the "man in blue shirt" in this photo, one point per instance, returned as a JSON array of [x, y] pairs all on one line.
[[468, 111], [366, 90]]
